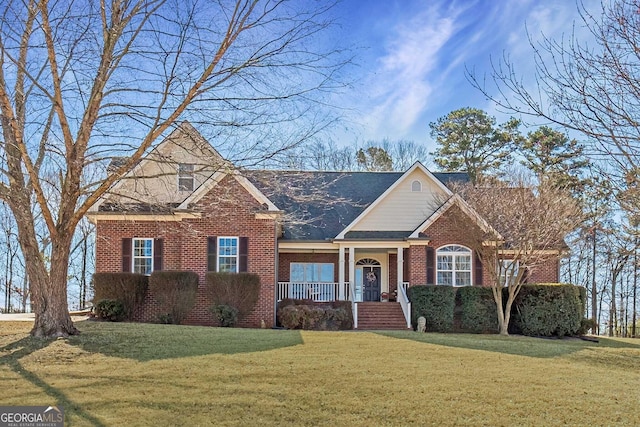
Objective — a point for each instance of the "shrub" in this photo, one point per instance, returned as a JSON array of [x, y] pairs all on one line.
[[330, 316], [478, 312], [109, 309], [165, 319], [238, 290], [587, 325], [226, 315], [290, 301], [435, 303], [175, 292], [548, 309], [128, 288]]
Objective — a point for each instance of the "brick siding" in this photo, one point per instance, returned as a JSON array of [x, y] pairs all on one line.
[[227, 210], [446, 231]]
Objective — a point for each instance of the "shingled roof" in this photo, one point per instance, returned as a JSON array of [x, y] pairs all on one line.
[[319, 205]]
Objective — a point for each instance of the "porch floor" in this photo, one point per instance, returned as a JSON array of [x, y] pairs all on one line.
[[381, 316]]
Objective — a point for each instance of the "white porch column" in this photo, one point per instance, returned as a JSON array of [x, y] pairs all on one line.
[[400, 267], [341, 295], [352, 268]]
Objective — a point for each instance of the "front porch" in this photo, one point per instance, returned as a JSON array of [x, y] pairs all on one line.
[[382, 314]]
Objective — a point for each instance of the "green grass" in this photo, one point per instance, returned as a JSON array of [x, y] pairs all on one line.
[[165, 375]]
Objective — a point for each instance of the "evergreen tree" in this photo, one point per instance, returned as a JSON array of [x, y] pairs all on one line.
[[551, 155], [469, 141]]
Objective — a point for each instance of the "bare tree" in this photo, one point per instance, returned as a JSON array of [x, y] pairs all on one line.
[[588, 86], [81, 82], [323, 156], [524, 231]]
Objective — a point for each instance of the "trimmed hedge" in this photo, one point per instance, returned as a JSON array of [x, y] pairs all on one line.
[[238, 290], [436, 304], [128, 288], [548, 310], [175, 293], [109, 309], [304, 314], [539, 310], [316, 317], [478, 312]]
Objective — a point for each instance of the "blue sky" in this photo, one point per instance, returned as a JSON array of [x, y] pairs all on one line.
[[413, 53]]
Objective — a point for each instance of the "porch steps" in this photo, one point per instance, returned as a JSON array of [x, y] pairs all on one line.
[[381, 315]]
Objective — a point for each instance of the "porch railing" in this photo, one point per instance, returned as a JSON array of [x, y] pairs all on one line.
[[403, 299], [354, 304], [318, 291]]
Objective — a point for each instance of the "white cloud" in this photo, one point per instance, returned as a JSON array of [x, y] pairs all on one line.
[[400, 88]]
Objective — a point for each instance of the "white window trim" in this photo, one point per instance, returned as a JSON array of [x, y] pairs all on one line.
[[503, 278], [455, 254], [133, 253], [237, 256], [419, 186], [188, 175]]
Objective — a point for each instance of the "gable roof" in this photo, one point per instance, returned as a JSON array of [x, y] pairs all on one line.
[[215, 180], [184, 129], [320, 205], [455, 200], [417, 166]]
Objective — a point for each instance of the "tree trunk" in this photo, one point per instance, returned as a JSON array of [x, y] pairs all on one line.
[[504, 313], [635, 287], [594, 286], [52, 311], [48, 288]]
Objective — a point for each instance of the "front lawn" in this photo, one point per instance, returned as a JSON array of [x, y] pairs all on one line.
[[117, 374]]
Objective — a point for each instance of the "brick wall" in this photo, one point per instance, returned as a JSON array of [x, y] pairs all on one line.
[[418, 265], [546, 272], [446, 230], [227, 210], [393, 273]]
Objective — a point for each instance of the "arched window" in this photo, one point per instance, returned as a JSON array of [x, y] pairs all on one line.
[[368, 261], [453, 264], [416, 186]]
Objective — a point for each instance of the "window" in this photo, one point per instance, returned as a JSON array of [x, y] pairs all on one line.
[[312, 281], [416, 186], [311, 272], [453, 266], [508, 271], [185, 177], [143, 256], [228, 254]]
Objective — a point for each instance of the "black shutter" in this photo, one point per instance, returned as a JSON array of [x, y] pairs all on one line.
[[478, 270], [244, 254], [126, 255], [525, 276], [430, 265], [211, 253], [158, 246]]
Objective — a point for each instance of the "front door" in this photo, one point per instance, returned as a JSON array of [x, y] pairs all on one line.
[[371, 283]]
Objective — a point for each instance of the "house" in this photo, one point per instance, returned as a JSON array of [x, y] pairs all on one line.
[[358, 236]]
